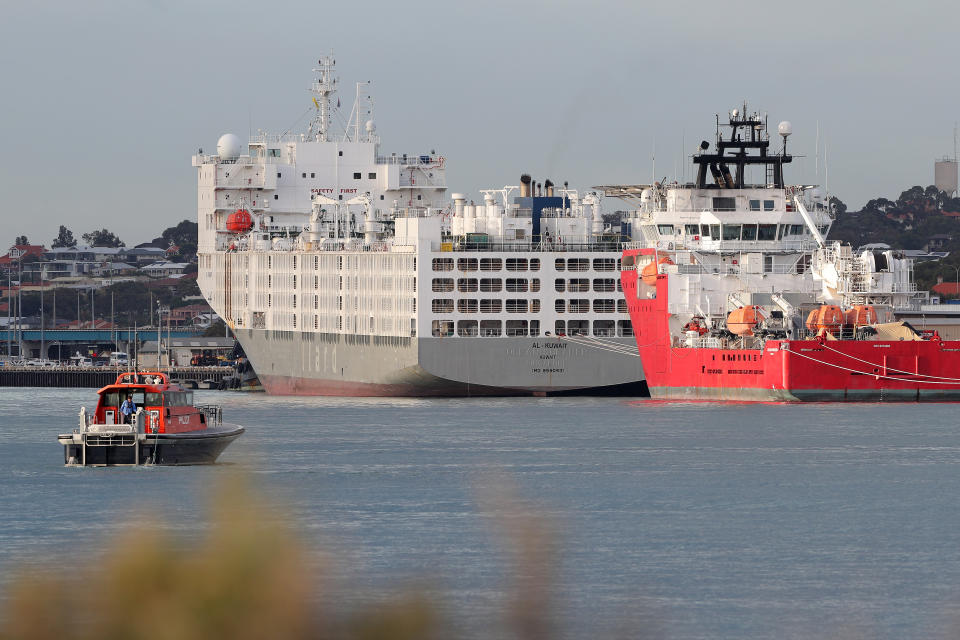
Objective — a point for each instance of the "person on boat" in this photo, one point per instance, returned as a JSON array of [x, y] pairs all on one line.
[[127, 409]]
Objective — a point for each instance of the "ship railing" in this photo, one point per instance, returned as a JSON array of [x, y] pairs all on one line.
[[411, 159], [213, 413], [528, 247], [736, 269]]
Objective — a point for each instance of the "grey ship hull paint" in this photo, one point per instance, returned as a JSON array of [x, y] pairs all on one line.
[[294, 363]]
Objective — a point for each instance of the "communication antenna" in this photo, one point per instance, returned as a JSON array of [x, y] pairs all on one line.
[[323, 90], [816, 154]]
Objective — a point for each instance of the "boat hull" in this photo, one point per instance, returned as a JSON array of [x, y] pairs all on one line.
[[335, 365], [158, 449]]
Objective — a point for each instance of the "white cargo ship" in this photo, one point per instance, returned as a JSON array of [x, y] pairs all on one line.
[[345, 272]]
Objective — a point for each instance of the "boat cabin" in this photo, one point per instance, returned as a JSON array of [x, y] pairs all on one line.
[[169, 407]]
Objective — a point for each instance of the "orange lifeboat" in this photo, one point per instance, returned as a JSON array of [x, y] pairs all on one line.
[[743, 320], [826, 317], [860, 315], [649, 273], [239, 221]]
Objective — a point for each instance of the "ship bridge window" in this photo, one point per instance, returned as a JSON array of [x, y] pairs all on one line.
[[692, 229], [356, 175], [715, 231], [705, 230], [768, 205], [767, 232], [665, 229], [724, 204], [749, 232], [796, 229], [754, 205], [273, 153], [731, 232], [490, 328]]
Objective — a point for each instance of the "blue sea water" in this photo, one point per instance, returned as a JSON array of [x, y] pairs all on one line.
[[680, 520]]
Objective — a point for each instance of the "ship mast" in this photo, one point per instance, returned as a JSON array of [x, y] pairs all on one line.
[[323, 90]]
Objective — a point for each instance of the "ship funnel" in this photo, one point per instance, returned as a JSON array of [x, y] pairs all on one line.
[[525, 186], [458, 200], [548, 185]]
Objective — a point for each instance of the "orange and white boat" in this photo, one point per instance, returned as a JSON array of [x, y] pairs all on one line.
[[166, 429]]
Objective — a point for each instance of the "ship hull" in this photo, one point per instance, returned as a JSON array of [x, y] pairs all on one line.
[[290, 363]]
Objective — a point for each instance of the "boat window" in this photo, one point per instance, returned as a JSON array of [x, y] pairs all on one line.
[[796, 229], [782, 230], [705, 230], [724, 204], [559, 264], [112, 399], [731, 232], [692, 229], [153, 399], [490, 328], [754, 205], [442, 328], [665, 229], [749, 232], [767, 232], [715, 231]]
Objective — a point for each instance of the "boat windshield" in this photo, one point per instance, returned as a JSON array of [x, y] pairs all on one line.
[[114, 398]]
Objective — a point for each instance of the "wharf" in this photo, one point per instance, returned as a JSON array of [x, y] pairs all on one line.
[[96, 377]]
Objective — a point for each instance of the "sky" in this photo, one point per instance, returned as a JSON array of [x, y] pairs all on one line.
[[104, 102]]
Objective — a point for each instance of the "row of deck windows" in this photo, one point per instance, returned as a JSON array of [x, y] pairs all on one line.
[[485, 305], [469, 285], [513, 328], [583, 264], [582, 285], [486, 264], [600, 305], [749, 232]]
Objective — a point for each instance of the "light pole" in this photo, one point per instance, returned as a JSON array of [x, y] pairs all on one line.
[[43, 335]]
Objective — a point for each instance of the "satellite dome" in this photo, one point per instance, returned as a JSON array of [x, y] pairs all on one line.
[[646, 195], [370, 126], [735, 113], [228, 147], [817, 194], [785, 128]]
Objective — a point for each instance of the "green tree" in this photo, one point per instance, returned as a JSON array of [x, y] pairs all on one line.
[[21, 240], [64, 239], [102, 238]]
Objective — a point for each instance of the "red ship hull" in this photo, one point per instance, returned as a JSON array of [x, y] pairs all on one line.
[[786, 370]]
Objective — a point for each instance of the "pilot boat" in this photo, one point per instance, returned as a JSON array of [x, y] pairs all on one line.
[[167, 428]]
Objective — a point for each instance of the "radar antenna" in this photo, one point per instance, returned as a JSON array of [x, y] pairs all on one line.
[[323, 90]]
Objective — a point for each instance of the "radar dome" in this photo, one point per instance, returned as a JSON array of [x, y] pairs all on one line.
[[785, 128], [370, 126], [817, 194], [228, 147], [735, 113]]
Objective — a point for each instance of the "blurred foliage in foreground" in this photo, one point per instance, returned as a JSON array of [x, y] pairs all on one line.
[[247, 578]]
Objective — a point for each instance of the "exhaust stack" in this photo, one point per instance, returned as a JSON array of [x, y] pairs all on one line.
[[525, 180]]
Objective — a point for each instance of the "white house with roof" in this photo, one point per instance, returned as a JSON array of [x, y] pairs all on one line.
[[165, 269]]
